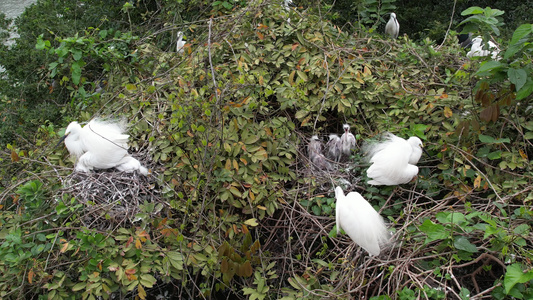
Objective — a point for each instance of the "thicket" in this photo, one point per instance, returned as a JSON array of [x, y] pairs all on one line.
[[232, 207]]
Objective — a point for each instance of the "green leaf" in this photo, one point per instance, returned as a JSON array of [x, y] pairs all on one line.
[[433, 231], [526, 90], [474, 10], [487, 67], [490, 140], [76, 73], [462, 243], [518, 77], [515, 274]]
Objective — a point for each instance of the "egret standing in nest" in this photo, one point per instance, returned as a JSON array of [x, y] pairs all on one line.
[[100, 145], [347, 141], [360, 221], [180, 43], [394, 160], [334, 146], [393, 27], [314, 149]]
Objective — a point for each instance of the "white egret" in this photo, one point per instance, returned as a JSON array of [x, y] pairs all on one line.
[[477, 48], [360, 221], [347, 140], [394, 160], [180, 43], [100, 145], [393, 27], [314, 149], [334, 146]]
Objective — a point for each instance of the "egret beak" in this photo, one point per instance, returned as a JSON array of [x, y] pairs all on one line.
[[427, 153], [62, 139]]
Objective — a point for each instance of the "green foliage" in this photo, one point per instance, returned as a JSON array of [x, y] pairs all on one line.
[[482, 20]]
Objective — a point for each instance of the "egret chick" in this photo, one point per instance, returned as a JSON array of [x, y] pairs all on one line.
[[393, 27], [360, 221], [477, 49], [100, 145], [394, 160], [347, 141], [334, 146], [180, 43], [314, 149]]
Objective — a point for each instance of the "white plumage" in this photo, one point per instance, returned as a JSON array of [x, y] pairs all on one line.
[[180, 43], [347, 140], [334, 146], [360, 221], [394, 160], [393, 27], [477, 49], [101, 145]]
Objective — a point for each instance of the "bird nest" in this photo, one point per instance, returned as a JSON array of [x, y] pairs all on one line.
[[109, 197]]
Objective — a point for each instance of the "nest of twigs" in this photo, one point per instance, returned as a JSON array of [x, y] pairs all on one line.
[[110, 197]]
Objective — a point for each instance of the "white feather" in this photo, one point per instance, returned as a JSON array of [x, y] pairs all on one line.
[[393, 27], [360, 221], [477, 49], [393, 160], [100, 145]]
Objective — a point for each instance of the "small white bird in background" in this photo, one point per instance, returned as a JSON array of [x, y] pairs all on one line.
[[314, 149], [334, 146], [477, 49], [393, 27], [180, 43], [100, 145], [347, 140], [393, 160], [360, 221]]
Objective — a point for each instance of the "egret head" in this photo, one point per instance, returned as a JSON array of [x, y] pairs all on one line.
[[333, 137], [314, 138], [415, 142], [393, 16], [346, 127], [180, 35]]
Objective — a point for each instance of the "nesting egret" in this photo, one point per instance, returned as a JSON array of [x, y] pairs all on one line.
[[393, 27], [394, 160], [314, 149], [360, 221], [477, 48], [334, 146], [180, 43], [347, 140], [100, 145]]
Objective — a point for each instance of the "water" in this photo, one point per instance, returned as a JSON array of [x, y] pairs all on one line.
[[13, 9]]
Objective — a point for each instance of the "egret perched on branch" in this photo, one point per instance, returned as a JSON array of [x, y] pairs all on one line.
[[334, 146], [394, 160], [100, 145], [347, 141], [180, 43], [314, 149], [360, 221], [477, 48], [393, 27]]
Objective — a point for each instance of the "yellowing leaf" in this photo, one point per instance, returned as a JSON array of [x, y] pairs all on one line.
[[448, 112], [141, 292], [64, 247], [235, 165], [14, 156], [138, 244], [235, 192], [251, 222], [477, 182], [30, 276], [522, 153]]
